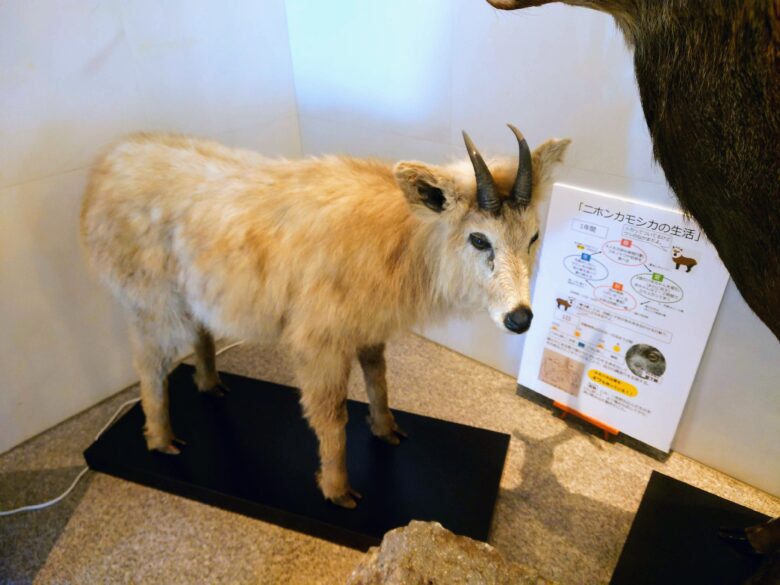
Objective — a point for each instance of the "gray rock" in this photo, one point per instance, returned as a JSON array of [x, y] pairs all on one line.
[[426, 553]]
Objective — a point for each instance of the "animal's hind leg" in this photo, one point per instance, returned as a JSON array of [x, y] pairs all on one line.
[[381, 420], [152, 362], [206, 376], [323, 380]]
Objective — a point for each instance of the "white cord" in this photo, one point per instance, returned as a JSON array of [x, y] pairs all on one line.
[[50, 502], [116, 414], [227, 347]]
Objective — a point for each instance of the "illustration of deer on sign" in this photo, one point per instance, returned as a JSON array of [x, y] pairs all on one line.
[[680, 260], [565, 303]]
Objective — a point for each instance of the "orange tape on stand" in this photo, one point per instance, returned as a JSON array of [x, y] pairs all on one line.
[[608, 430]]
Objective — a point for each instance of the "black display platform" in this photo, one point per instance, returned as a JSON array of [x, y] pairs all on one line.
[[674, 538], [252, 452]]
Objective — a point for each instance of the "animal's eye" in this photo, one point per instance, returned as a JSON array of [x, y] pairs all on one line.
[[533, 240], [479, 241]]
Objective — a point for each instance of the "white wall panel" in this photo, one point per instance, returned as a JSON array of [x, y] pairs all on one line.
[[63, 345], [205, 66], [374, 65], [67, 85]]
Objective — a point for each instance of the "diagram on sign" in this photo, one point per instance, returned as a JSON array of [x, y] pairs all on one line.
[[618, 281], [622, 291]]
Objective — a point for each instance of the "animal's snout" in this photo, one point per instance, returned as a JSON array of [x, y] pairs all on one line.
[[519, 320]]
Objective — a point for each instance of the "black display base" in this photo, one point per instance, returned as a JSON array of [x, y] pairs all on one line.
[[252, 453], [674, 538]]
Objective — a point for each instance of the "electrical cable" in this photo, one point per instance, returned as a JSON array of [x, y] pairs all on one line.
[[116, 414]]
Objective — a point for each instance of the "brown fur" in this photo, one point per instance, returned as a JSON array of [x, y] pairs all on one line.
[[328, 257]]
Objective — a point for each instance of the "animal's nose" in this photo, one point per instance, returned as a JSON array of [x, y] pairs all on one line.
[[519, 320]]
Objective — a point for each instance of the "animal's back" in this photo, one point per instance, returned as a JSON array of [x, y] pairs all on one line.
[[139, 192], [177, 225]]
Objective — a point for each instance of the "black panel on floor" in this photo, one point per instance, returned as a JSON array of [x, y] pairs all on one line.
[[674, 538], [252, 452]]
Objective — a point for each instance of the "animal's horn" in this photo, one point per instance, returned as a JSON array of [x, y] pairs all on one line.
[[520, 196], [515, 4], [487, 194]]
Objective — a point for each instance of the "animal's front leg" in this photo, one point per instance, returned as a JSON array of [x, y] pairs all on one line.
[[324, 400], [383, 425]]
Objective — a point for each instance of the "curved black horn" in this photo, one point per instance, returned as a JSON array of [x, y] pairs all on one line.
[[487, 194], [520, 196]]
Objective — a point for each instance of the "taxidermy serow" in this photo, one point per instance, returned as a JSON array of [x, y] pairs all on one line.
[[327, 256], [709, 77]]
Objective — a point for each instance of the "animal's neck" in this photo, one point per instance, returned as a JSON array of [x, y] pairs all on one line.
[[433, 272]]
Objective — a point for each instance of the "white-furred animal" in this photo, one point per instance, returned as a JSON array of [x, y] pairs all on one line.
[[327, 256]]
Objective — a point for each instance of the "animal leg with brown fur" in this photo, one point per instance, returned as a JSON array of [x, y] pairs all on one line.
[[152, 362], [381, 420], [206, 376], [323, 381]]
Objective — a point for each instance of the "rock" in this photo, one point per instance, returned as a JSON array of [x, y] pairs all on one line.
[[426, 553]]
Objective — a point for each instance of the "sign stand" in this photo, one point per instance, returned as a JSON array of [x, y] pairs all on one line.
[[609, 432]]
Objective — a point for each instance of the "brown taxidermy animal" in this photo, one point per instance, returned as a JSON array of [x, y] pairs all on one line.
[[326, 256], [709, 77]]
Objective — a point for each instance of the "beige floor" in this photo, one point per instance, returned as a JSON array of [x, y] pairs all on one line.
[[566, 503]]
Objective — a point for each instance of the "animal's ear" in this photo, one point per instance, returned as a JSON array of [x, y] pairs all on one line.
[[423, 184], [546, 156]]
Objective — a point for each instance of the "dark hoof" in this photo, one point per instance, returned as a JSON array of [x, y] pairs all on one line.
[[170, 449], [393, 437], [738, 540], [218, 391], [390, 439], [167, 449], [347, 500], [400, 432]]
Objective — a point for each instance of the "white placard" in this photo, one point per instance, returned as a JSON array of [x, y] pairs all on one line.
[[625, 297]]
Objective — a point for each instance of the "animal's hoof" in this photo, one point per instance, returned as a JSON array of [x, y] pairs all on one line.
[[218, 390], [400, 432], [389, 438], [169, 449], [392, 436], [737, 538], [347, 500], [165, 445]]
